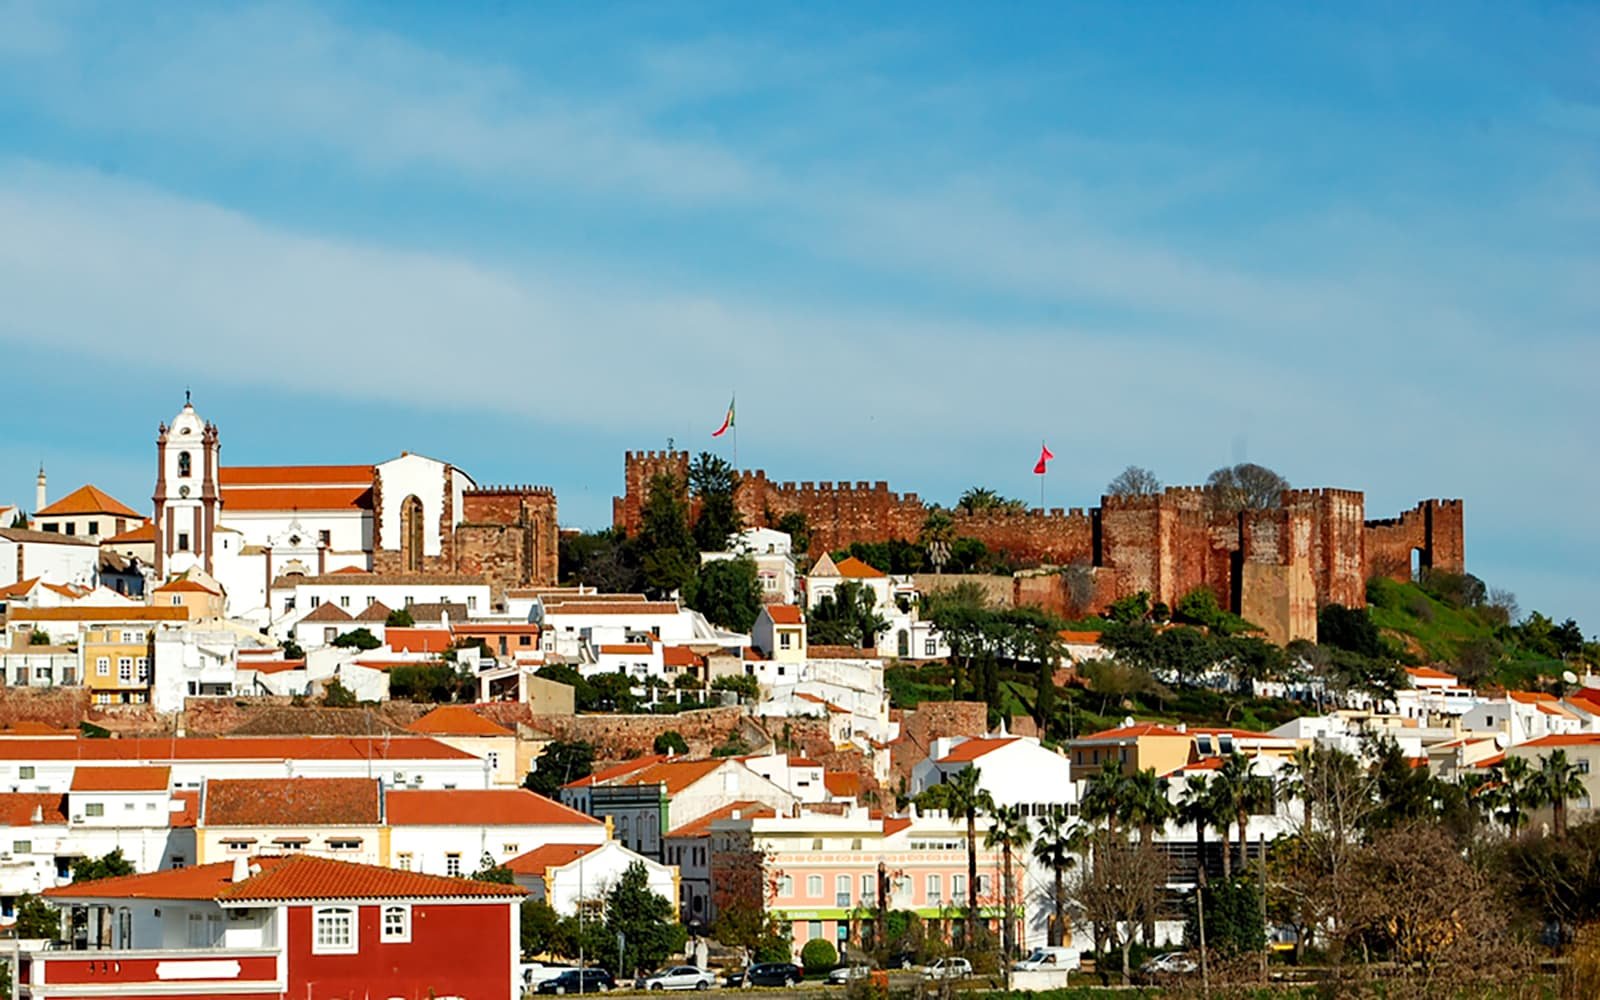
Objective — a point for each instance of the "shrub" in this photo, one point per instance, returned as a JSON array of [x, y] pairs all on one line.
[[670, 741], [818, 956], [361, 638]]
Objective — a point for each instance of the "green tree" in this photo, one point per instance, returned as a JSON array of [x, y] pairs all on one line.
[[727, 592], [19, 520], [1104, 798], [106, 866], [438, 683], [1236, 792], [1233, 918], [36, 919], [1008, 830], [606, 559], [669, 556], [1555, 781], [1056, 847], [614, 692], [1349, 628], [794, 525], [399, 618], [541, 929], [646, 923], [818, 955], [744, 685], [559, 763], [1134, 482], [714, 482], [981, 500], [38, 637], [292, 650], [336, 695], [360, 638], [846, 617], [583, 695], [670, 741], [490, 871], [967, 798]]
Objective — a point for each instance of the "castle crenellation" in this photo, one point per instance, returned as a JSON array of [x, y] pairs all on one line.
[[1275, 566]]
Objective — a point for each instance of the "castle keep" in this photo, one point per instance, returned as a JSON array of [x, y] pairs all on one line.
[[1275, 567]]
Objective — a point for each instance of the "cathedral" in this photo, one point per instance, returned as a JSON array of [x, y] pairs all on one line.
[[247, 526]]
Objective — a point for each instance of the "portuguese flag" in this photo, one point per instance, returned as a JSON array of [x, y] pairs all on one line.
[[727, 422]]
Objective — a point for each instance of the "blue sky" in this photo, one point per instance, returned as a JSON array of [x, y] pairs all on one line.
[[1360, 245]]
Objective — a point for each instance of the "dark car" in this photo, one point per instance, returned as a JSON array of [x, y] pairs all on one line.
[[774, 974], [578, 981]]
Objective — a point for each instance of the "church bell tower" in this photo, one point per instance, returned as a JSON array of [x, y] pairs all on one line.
[[187, 499]]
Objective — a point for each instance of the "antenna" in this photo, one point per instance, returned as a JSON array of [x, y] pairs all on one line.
[[1569, 677]]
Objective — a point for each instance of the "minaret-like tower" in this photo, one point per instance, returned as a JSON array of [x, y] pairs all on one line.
[[188, 500], [40, 495]]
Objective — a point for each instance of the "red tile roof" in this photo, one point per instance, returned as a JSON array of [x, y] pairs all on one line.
[[894, 824], [291, 802], [348, 570], [746, 808], [375, 612], [19, 589], [536, 861], [291, 498], [479, 807], [628, 649], [145, 532], [121, 779], [231, 748], [1564, 740], [327, 611], [189, 815], [854, 568], [294, 475], [88, 500], [785, 614], [616, 770], [680, 656], [185, 587], [28, 727], [1079, 638], [417, 640], [591, 607], [675, 774], [290, 878], [842, 784], [114, 614], [457, 720], [17, 808], [1134, 731], [1429, 673], [970, 750]]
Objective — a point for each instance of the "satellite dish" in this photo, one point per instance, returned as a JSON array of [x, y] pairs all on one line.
[[1569, 677]]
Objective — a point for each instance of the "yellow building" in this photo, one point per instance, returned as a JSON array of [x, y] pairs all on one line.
[[1132, 748], [202, 600], [116, 646]]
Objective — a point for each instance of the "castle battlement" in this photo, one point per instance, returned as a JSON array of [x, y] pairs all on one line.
[[523, 489]]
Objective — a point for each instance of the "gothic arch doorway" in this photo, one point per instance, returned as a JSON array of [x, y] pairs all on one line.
[[411, 523]]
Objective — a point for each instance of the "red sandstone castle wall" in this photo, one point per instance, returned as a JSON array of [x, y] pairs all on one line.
[[509, 534], [1433, 527]]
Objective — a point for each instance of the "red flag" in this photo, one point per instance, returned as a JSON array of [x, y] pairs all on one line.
[[1045, 455]]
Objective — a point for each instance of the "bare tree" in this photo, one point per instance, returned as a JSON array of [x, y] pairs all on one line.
[[1120, 888], [1245, 486], [1134, 481]]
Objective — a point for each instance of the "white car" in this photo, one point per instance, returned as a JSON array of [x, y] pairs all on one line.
[[1170, 963], [846, 974], [534, 973], [948, 968], [680, 977], [1047, 957]]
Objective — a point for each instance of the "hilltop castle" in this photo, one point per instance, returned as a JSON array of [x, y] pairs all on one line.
[[1275, 567]]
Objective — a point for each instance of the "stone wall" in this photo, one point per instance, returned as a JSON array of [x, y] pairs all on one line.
[[508, 535], [1434, 529], [920, 726]]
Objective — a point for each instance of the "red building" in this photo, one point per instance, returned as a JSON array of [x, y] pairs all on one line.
[[296, 926]]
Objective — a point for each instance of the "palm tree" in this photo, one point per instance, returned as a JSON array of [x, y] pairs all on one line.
[[1145, 803], [1236, 793], [1554, 783], [967, 798], [1056, 847], [1513, 794], [1293, 784], [1008, 830], [1104, 798], [1195, 807]]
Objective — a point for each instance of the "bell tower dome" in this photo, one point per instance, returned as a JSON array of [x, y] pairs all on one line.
[[187, 498]]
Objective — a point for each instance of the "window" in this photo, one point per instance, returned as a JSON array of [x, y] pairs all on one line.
[[958, 888], [813, 930], [94, 808], [930, 647], [125, 669], [403, 861], [869, 890], [344, 601], [397, 923], [813, 886], [334, 930], [816, 844], [509, 850], [344, 845], [176, 600], [472, 602], [785, 886], [197, 931], [94, 527], [841, 890], [237, 846], [329, 634], [452, 864], [1583, 765], [143, 663], [102, 666], [784, 639], [183, 541], [494, 759], [185, 464], [178, 861], [935, 890], [316, 602], [22, 847], [325, 539], [855, 844], [72, 527], [25, 771]]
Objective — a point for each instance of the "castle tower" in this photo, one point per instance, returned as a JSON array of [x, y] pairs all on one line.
[[188, 502], [39, 494]]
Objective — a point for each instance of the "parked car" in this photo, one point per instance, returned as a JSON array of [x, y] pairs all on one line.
[[774, 974], [534, 973], [1048, 957], [901, 960], [1170, 963], [680, 977], [849, 973], [578, 981], [948, 968]]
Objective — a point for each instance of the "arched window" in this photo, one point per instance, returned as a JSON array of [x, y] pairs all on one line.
[[185, 466], [904, 642], [411, 534]]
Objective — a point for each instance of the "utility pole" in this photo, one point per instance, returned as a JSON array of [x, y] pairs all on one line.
[[1266, 939], [1200, 918]]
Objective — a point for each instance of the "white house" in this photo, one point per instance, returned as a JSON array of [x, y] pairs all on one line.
[[52, 558], [452, 832], [565, 874]]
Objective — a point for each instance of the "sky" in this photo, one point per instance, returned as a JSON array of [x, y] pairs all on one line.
[[1359, 245]]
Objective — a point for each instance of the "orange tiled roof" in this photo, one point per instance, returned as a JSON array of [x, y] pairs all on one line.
[[1529, 697], [291, 802], [121, 779], [18, 589], [970, 750], [417, 640], [785, 614], [88, 500], [231, 748], [1429, 673], [457, 720], [894, 824], [479, 807], [349, 571], [616, 770], [291, 878], [28, 727], [1079, 638], [375, 612], [628, 649], [189, 815], [674, 774], [1133, 732], [680, 656], [536, 861], [817, 652], [854, 568], [294, 475], [327, 611], [17, 808], [185, 587], [289, 498], [591, 607], [155, 613], [842, 784], [197, 882], [1564, 740], [746, 808], [145, 532]]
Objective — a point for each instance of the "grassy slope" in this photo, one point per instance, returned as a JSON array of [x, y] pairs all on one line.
[[1437, 633]]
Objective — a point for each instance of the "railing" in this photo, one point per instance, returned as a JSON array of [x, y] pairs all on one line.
[[216, 971]]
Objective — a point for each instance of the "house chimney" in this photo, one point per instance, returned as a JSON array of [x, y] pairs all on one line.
[[39, 492], [38, 814], [241, 869]]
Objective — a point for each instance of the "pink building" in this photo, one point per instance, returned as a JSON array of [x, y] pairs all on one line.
[[818, 871]]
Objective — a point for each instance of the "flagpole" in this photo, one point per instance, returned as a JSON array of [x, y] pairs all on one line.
[[1046, 472], [733, 406]]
